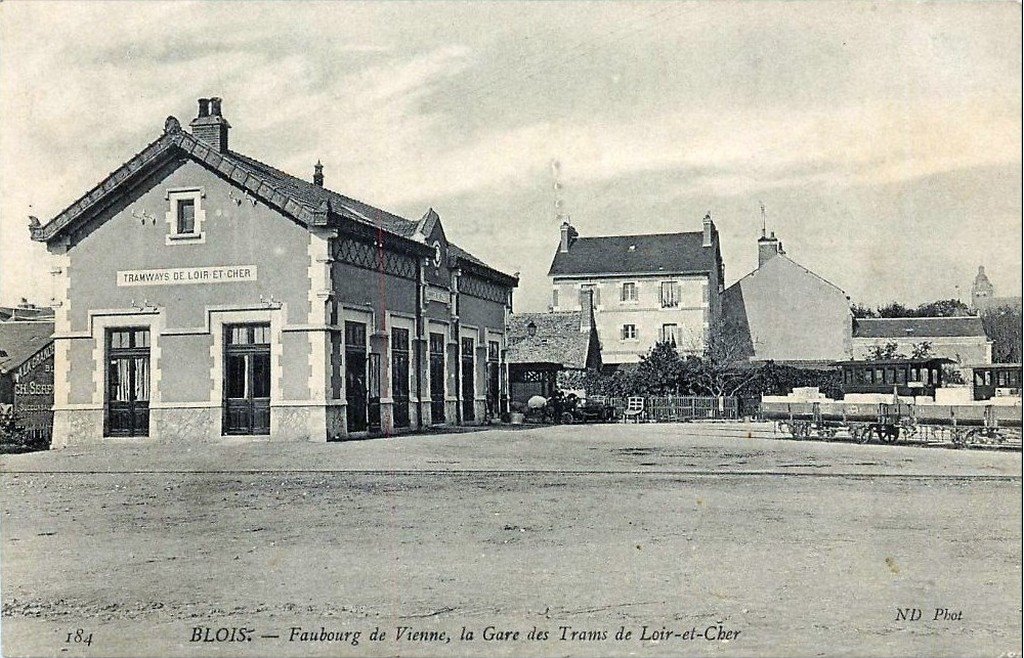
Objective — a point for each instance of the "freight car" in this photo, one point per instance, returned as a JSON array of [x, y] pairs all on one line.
[[868, 413]]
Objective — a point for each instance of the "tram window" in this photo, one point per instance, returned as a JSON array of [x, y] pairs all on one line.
[[988, 378], [913, 374], [924, 376], [979, 378], [1014, 378], [848, 376], [878, 376], [901, 376], [890, 376]]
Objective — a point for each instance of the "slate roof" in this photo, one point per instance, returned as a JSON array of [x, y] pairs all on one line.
[[558, 339], [924, 328], [20, 340], [636, 254], [306, 202]]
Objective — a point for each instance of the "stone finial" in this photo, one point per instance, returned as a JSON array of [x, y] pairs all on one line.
[[171, 125]]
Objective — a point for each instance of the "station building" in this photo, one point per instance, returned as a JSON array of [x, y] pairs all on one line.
[[201, 293]]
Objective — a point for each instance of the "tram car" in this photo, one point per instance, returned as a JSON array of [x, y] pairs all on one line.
[[907, 399]]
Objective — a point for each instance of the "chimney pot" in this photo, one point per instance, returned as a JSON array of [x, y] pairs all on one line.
[[709, 228], [569, 236], [768, 248], [210, 127], [318, 174]]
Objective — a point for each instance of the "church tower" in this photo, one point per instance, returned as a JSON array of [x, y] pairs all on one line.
[[982, 291]]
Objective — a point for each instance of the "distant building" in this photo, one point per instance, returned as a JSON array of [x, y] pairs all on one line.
[[26, 375], [25, 311], [644, 289], [549, 350], [983, 293], [961, 339], [783, 312]]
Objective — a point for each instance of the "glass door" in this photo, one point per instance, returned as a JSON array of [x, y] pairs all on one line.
[[247, 379], [436, 378], [127, 408], [400, 375], [355, 376], [468, 383]]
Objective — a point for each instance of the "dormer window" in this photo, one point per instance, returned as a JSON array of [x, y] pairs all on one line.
[[185, 216]]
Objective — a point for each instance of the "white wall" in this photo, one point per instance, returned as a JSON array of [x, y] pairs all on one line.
[[691, 315]]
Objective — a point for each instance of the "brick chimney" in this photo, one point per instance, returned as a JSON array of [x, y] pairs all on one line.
[[709, 230], [210, 127], [569, 235], [767, 248], [318, 174]]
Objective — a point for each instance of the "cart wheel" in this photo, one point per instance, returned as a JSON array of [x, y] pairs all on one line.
[[567, 418], [861, 434]]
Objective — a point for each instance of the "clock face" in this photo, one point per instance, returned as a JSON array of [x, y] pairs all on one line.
[[437, 254]]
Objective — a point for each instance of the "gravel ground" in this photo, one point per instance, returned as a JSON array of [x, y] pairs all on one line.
[[804, 548]]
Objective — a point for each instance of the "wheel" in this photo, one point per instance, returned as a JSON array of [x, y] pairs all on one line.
[[860, 433], [568, 418]]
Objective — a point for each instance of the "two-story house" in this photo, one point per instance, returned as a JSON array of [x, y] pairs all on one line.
[[201, 293], [644, 289]]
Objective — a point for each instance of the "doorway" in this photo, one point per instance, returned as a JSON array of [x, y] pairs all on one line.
[[436, 378], [355, 375], [246, 379], [127, 408]]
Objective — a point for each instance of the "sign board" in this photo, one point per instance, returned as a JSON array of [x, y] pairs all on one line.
[[187, 275], [439, 295], [43, 356]]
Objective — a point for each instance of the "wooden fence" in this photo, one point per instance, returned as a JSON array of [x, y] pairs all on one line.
[[681, 408]]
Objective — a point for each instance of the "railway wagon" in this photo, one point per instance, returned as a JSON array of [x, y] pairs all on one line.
[[963, 424], [907, 413]]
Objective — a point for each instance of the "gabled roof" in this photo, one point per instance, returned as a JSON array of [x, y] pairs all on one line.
[[675, 253], [558, 339], [782, 258], [923, 328], [20, 340], [307, 203]]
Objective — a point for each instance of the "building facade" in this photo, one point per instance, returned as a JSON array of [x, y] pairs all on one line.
[[785, 313], [960, 339], [644, 289], [201, 293]]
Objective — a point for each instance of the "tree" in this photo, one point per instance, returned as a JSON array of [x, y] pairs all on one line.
[[942, 308], [921, 350], [886, 352], [1003, 327], [894, 310], [723, 368], [862, 311], [661, 369]]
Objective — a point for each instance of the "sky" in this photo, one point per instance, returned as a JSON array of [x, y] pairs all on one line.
[[884, 139]]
